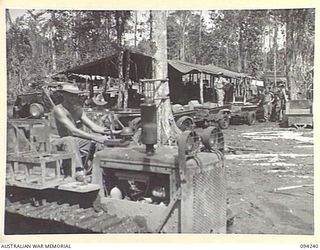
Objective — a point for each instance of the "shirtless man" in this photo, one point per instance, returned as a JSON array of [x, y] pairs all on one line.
[[68, 115]]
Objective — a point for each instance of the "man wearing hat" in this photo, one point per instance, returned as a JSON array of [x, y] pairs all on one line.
[[68, 116], [283, 100], [219, 87]]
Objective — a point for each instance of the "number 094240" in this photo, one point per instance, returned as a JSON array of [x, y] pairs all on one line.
[[309, 246]]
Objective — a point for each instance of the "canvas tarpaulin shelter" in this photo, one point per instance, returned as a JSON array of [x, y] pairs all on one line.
[[191, 68], [140, 66], [182, 92]]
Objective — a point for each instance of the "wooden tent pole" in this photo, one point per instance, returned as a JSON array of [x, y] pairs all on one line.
[[201, 87]]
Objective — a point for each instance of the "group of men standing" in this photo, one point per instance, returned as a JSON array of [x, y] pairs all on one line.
[[274, 104]]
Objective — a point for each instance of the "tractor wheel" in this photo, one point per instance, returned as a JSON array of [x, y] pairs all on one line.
[[251, 119], [224, 122], [185, 123]]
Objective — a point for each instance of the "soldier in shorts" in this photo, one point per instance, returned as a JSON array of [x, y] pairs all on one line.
[[68, 115]]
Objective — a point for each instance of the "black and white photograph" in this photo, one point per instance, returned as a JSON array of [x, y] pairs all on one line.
[[169, 121]]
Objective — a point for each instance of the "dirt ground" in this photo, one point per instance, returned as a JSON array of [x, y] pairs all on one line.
[[270, 174]]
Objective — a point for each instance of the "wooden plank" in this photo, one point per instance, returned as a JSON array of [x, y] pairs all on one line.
[[37, 159], [79, 187], [43, 172], [33, 179], [12, 170], [28, 121], [299, 111], [17, 146], [58, 163], [15, 168], [50, 184], [20, 177], [73, 166], [26, 169]]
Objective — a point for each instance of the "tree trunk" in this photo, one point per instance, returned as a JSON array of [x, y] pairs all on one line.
[[267, 48], [240, 49], [8, 20], [244, 61], [118, 27], [126, 80], [167, 129], [121, 82], [227, 56], [76, 40], [53, 56], [151, 25], [20, 84], [200, 40], [135, 28], [108, 27], [122, 86], [275, 48], [53, 47], [182, 55], [290, 44]]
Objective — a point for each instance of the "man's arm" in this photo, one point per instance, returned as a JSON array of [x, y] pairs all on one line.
[[93, 126], [272, 97], [60, 116]]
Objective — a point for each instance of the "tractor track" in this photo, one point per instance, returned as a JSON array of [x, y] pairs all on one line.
[[72, 215]]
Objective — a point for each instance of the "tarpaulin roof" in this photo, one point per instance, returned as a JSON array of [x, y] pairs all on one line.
[[225, 72], [190, 68], [140, 66]]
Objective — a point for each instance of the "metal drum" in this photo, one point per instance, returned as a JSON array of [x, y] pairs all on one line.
[[149, 123]]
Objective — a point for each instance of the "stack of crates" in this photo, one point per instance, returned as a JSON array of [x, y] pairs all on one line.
[[31, 163]]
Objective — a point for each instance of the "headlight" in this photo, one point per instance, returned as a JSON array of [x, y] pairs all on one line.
[[189, 143], [212, 138], [36, 110]]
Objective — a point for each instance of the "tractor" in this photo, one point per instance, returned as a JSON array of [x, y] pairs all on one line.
[[133, 188]]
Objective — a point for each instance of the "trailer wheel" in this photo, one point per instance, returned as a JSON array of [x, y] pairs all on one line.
[[224, 122], [185, 123], [251, 119]]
